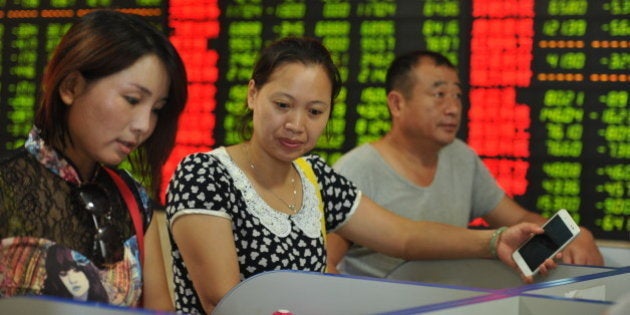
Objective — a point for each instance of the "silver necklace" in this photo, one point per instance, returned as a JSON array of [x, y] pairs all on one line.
[[292, 206]]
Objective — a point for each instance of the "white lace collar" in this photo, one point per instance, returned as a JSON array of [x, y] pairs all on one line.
[[306, 219]]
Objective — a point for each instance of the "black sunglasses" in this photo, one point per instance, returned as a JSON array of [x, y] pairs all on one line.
[[108, 246]]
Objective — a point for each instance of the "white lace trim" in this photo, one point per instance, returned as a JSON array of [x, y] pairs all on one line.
[[307, 219]]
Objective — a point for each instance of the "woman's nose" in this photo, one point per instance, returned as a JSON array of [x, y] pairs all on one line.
[[295, 121], [142, 119]]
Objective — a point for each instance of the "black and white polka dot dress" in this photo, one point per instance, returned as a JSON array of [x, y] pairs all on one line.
[[266, 239]]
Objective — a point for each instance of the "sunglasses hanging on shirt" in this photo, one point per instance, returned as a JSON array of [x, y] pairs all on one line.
[[108, 246]]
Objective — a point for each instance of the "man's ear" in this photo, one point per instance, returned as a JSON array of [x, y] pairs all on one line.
[[395, 102], [71, 87]]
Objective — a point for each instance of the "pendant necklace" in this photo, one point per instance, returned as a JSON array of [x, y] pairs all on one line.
[[292, 205]]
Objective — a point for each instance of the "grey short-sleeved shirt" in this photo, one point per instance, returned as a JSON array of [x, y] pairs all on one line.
[[463, 189]]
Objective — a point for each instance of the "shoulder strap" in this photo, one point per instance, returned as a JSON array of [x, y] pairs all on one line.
[[132, 206], [310, 175]]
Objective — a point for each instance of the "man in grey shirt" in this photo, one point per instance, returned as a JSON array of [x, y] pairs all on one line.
[[421, 171]]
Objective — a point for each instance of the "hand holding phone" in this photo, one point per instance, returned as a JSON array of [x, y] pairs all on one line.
[[560, 230]]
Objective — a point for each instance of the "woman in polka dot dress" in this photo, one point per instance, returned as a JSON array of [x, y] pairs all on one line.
[[240, 210]]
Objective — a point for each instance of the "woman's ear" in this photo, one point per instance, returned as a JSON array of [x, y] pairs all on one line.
[[251, 93], [71, 87]]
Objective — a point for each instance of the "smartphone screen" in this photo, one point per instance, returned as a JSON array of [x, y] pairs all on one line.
[[541, 246]]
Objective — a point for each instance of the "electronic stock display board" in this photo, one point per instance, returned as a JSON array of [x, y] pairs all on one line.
[[546, 82]]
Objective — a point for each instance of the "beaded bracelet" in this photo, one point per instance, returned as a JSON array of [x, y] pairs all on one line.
[[495, 239]]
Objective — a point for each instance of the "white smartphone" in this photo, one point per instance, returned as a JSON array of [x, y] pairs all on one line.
[[560, 230]]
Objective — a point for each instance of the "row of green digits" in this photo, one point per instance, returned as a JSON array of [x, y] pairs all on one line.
[[71, 224]]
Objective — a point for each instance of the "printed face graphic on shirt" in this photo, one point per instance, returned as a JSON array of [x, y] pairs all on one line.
[[76, 282]]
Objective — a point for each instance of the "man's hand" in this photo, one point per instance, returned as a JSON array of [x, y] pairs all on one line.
[[512, 238], [583, 250]]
